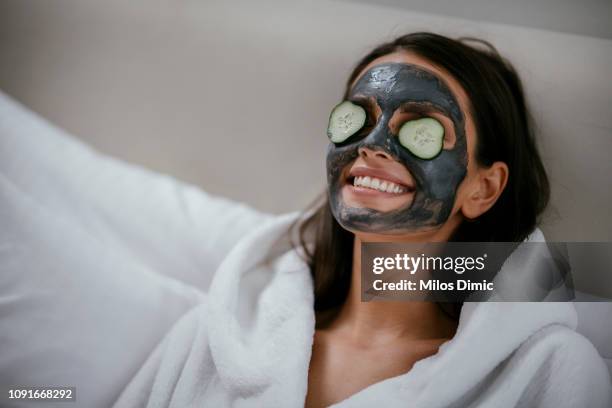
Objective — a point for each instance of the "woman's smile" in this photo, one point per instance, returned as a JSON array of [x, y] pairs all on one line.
[[378, 188]]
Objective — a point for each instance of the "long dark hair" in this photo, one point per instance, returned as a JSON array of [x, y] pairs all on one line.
[[504, 132]]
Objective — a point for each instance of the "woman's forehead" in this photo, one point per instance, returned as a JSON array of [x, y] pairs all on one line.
[[395, 84], [411, 58]]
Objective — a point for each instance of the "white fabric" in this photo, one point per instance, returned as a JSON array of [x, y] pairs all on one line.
[[104, 285], [249, 346], [98, 259], [595, 323]]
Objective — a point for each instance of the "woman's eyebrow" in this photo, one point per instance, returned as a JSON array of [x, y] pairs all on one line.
[[369, 101], [422, 107]]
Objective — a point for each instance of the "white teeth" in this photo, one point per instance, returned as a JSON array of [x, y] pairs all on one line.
[[377, 184]]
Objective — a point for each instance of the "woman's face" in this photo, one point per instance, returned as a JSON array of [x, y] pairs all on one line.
[[393, 90]]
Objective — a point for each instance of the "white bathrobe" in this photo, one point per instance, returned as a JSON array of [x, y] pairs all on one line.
[[105, 285], [249, 345]]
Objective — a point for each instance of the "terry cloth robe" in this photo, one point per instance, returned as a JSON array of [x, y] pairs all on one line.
[[105, 285], [249, 345]]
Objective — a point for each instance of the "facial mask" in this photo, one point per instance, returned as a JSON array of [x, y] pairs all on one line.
[[410, 87]]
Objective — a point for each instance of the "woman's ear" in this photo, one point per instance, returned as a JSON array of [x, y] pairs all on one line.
[[487, 186]]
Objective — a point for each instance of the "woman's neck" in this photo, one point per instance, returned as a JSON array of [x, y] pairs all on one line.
[[385, 321]]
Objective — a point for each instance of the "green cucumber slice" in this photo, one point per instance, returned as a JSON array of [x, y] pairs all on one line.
[[424, 137], [344, 121]]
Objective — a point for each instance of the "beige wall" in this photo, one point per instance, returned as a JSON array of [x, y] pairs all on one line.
[[235, 96]]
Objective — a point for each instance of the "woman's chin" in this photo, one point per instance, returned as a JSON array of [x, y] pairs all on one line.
[[363, 197]]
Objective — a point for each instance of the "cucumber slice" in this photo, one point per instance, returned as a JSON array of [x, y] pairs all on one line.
[[345, 120], [424, 137]]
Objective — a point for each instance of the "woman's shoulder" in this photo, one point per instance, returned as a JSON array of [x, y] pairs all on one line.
[[565, 369]]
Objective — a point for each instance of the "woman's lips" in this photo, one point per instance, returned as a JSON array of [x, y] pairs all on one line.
[[376, 188], [378, 180]]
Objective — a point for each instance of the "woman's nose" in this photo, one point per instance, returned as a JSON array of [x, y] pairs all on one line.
[[367, 152]]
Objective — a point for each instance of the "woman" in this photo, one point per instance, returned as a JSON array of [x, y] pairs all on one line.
[[254, 343], [282, 324], [399, 84], [487, 184]]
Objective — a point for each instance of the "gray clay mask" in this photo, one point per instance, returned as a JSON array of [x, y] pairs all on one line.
[[406, 86]]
